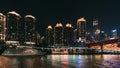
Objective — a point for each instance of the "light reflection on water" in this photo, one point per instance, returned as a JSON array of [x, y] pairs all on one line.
[[61, 61]]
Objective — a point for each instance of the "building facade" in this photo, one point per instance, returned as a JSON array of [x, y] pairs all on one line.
[[68, 35], [75, 37], [81, 29], [95, 25], [30, 34], [96, 31], [49, 36], [13, 25], [2, 27], [58, 35]]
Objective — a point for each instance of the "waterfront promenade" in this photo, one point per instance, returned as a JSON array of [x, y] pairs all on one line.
[[26, 58]]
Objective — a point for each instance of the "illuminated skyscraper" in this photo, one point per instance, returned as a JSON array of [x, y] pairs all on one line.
[[13, 23], [75, 35], [30, 34], [96, 31], [49, 36], [68, 35], [38, 39], [58, 35], [81, 29], [95, 25], [2, 27]]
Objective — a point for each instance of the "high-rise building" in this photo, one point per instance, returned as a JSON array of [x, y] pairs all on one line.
[[68, 35], [49, 36], [88, 38], [38, 38], [58, 35], [30, 34], [13, 23], [81, 29], [2, 27], [114, 34], [96, 31], [75, 35], [95, 25], [103, 36], [97, 35]]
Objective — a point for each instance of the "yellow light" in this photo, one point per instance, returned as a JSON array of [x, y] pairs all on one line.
[[69, 25], [30, 16], [30, 42], [1, 34], [1, 14], [13, 12], [59, 25], [10, 46], [50, 27], [82, 19], [97, 31]]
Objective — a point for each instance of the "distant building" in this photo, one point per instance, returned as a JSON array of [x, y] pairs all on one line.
[[38, 39], [88, 37], [2, 27], [97, 35], [75, 37], [103, 36], [81, 29], [68, 35], [96, 31], [13, 23], [95, 25], [58, 35], [30, 33], [114, 34], [49, 36]]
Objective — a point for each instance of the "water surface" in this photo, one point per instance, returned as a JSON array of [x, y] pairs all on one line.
[[61, 61]]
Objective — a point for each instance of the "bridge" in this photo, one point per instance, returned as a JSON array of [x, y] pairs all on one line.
[[103, 43]]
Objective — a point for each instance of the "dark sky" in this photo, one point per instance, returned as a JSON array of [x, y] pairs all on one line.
[[49, 12]]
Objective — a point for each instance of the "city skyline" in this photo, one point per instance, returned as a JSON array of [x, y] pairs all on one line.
[[51, 12], [59, 34]]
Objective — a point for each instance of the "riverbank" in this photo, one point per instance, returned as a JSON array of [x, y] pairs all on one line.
[[80, 51]]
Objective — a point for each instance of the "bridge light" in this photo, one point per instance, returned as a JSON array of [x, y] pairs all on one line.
[[115, 30]]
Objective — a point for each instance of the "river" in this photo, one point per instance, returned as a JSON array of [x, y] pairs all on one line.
[[61, 61]]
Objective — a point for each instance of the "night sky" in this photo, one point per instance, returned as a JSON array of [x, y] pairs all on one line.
[[49, 12]]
